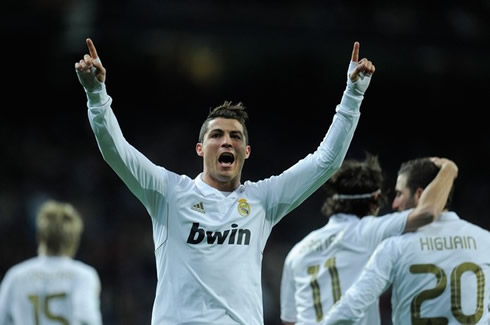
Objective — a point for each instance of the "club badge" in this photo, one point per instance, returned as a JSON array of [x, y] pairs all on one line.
[[243, 207]]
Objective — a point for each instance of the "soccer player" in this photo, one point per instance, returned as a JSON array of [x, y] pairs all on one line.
[[52, 288], [439, 274], [209, 232], [321, 267]]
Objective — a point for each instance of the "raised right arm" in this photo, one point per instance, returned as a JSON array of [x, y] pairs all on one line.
[[137, 171]]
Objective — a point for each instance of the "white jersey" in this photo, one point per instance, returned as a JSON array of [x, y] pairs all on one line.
[[50, 290], [322, 266], [440, 275], [209, 246]]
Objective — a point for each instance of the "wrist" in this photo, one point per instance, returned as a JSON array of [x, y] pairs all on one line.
[[98, 96]]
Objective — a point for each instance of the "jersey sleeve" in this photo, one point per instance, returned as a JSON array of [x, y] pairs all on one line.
[[373, 281], [286, 191], [287, 294], [383, 227], [140, 175]]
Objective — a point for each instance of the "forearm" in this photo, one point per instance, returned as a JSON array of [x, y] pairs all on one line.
[[339, 137], [311, 172], [437, 192]]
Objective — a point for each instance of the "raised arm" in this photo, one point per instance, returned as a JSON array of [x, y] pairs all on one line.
[[434, 196], [311, 172], [337, 141], [137, 171]]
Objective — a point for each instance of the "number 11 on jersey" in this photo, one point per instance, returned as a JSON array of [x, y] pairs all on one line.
[[335, 282]]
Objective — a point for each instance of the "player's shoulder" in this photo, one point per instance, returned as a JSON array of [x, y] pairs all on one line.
[[370, 223], [399, 242], [254, 190], [17, 270], [475, 229], [311, 242], [180, 184], [252, 186], [83, 267], [26, 264], [387, 217], [453, 221], [180, 180], [403, 239], [85, 273], [365, 224], [269, 184]]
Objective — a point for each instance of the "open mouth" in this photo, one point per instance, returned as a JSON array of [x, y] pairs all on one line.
[[226, 158]]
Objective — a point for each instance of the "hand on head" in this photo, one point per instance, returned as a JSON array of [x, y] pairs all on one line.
[[445, 163]]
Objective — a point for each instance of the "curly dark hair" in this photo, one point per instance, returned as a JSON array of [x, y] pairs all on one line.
[[226, 110], [356, 177]]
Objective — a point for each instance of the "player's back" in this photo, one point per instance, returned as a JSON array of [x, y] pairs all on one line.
[[443, 274], [50, 290], [321, 267]]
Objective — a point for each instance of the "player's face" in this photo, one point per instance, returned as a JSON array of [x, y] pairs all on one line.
[[404, 199], [224, 150]]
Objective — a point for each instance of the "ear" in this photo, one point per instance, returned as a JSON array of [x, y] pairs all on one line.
[[199, 149], [248, 151], [418, 194]]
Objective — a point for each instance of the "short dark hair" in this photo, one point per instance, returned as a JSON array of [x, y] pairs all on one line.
[[419, 173], [226, 110], [353, 178]]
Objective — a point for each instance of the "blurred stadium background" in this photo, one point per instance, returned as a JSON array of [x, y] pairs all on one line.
[[170, 61]]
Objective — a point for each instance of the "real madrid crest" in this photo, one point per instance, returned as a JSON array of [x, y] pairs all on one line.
[[243, 207]]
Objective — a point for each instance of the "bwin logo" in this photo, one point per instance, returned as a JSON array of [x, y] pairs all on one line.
[[197, 235]]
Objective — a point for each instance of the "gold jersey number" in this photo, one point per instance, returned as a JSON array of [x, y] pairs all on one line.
[[41, 305], [334, 277], [455, 283]]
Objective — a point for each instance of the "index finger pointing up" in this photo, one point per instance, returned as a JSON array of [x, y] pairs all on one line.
[[91, 48], [355, 52]]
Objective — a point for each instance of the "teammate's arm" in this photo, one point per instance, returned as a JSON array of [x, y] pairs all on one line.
[[434, 197]]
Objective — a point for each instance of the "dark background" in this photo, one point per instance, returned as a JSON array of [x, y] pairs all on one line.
[[168, 62]]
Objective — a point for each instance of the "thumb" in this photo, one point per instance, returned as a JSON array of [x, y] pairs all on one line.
[[354, 71]]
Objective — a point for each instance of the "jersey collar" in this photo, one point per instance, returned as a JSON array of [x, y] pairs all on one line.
[[208, 190]]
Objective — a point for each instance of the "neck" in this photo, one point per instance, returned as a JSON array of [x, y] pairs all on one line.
[[224, 186]]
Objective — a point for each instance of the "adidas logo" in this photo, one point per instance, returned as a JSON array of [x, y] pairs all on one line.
[[199, 207]]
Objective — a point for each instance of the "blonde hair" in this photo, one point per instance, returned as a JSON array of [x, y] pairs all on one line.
[[59, 227]]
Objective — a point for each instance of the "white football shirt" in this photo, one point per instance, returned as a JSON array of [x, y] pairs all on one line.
[[208, 247], [50, 290], [440, 275], [322, 266]]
